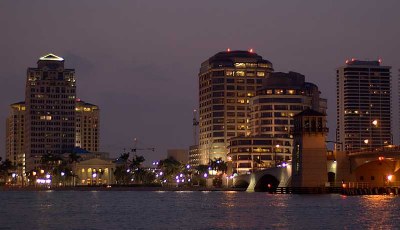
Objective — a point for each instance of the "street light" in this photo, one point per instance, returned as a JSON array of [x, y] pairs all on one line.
[[276, 148]]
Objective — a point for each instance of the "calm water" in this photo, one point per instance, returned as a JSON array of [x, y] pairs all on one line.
[[194, 210]]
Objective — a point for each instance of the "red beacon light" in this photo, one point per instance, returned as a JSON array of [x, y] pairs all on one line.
[[251, 50], [347, 61], [228, 50], [353, 59], [380, 60]]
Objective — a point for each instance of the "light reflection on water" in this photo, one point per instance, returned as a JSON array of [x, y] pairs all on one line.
[[194, 210]]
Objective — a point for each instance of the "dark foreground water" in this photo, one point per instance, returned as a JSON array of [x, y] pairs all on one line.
[[194, 210]]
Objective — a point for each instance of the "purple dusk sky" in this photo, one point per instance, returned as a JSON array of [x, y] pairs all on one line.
[[139, 60]]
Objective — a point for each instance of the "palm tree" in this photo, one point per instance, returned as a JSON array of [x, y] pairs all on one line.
[[136, 162], [170, 167], [122, 175], [73, 158], [219, 165], [5, 168]]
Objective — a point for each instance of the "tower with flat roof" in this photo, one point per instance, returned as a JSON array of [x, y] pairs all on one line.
[[15, 138], [227, 81], [363, 105], [87, 126]]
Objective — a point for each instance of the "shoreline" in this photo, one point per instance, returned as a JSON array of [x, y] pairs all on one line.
[[122, 188]]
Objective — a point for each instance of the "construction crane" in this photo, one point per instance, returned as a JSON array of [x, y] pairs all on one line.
[[195, 124], [135, 148]]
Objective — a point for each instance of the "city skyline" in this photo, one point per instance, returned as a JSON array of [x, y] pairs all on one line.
[[151, 81]]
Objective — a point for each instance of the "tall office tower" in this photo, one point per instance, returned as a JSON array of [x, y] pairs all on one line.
[[87, 126], [50, 109], [282, 96], [227, 81], [363, 105], [15, 138]]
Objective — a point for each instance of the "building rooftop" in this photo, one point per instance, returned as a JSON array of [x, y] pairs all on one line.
[[230, 55], [356, 62], [229, 58], [51, 57]]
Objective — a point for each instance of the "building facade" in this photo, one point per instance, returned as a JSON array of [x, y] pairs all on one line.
[[15, 138], [94, 171], [87, 126], [363, 105], [50, 109], [227, 81], [194, 156], [282, 96]]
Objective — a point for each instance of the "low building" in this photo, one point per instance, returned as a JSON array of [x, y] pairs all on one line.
[[249, 154], [181, 155], [194, 156], [94, 168], [95, 171]]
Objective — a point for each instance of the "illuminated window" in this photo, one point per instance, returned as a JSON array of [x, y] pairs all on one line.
[[83, 170], [290, 91], [260, 74], [251, 65], [239, 73], [229, 73], [269, 91], [240, 65]]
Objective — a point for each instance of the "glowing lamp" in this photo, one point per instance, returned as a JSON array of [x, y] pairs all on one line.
[[229, 50], [390, 177]]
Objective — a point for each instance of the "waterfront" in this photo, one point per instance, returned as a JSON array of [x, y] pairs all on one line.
[[193, 210]]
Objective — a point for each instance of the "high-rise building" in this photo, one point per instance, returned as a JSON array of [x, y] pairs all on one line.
[[15, 138], [87, 126], [363, 105], [227, 81], [50, 109], [282, 96]]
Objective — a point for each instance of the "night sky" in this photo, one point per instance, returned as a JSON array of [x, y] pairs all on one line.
[[139, 60]]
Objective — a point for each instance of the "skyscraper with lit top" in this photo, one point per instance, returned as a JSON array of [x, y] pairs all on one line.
[[50, 109]]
